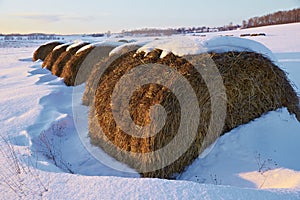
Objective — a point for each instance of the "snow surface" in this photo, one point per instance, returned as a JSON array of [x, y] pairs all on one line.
[[191, 46], [49, 42], [276, 178], [136, 43], [76, 44], [62, 45], [102, 43], [42, 156]]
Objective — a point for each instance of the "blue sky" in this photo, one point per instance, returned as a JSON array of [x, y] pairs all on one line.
[[89, 16]]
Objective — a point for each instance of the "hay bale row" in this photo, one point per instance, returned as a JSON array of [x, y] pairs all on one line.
[[254, 86], [82, 62], [67, 60], [62, 60], [42, 52], [54, 55]]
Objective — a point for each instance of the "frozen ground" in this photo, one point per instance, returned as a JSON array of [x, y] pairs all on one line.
[[258, 160]]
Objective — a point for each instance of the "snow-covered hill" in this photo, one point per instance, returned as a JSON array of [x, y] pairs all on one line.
[[42, 156]]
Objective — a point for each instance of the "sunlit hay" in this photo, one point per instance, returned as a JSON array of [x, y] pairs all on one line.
[[61, 62], [54, 55], [42, 52], [93, 79], [254, 86], [70, 70], [84, 61]]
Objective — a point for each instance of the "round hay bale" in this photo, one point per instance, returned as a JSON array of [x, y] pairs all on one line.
[[262, 34], [124, 41], [254, 86], [54, 55], [71, 68], [42, 52], [84, 60], [245, 35], [61, 62], [92, 82]]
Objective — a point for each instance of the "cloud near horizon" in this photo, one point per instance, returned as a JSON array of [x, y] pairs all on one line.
[[51, 18]]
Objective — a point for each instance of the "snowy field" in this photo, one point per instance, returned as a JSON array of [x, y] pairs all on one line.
[[43, 157]]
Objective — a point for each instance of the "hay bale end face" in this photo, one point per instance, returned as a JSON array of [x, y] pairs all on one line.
[[42, 52], [53, 56], [78, 69], [61, 62], [254, 86]]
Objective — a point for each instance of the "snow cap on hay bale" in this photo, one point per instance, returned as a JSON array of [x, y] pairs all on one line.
[[84, 60], [254, 86], [61, 62], [93, 79], [125, 47], [54, 55], [42, 52]]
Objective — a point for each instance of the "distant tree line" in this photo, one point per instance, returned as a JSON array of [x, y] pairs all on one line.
[[41, 36], [95, 35], [205, 29], [280, 17], [182, 30], [31, 36], [149, 32]]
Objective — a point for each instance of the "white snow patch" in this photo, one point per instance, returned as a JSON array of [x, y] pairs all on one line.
[[191, 46], [62, 45], [75, 45], [225, 44], [52, 42], [119, 48], [276, 178], [104, 43], [178, 46]]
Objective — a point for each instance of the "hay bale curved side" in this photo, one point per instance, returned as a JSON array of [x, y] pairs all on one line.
[[61, 62], [53, 56], [83, 63], [97, 70], [254, 86], [264, 84], [42, 52]]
